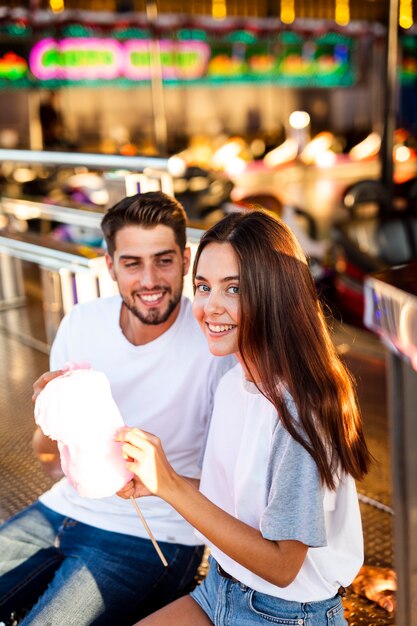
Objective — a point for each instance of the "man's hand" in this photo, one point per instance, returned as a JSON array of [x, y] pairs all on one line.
[[45, 449], [377, 584], [42, 381]]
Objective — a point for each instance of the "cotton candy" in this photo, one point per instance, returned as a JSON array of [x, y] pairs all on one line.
[[78, 411]]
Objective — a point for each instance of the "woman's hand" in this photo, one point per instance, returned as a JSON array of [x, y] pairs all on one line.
[[133, 489], [146, 458]]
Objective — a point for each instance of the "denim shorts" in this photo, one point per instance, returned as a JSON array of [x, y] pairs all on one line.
[[228, 602]]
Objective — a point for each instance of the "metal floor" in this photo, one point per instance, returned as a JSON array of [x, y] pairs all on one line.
[[21, 479]]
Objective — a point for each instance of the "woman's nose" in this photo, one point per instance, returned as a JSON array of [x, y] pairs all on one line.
[[213, 303]]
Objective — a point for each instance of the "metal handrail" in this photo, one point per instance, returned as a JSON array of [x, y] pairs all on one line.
[[29, 209], [51, 255], [91, 218], [79, 159]]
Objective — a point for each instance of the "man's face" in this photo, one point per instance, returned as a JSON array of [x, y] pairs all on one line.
[[149, 267]]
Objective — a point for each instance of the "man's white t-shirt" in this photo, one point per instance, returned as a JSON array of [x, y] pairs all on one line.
[[165, 387], [257, 472]]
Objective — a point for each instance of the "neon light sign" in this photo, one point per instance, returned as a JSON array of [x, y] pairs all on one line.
[[76, 59], [185, 60]]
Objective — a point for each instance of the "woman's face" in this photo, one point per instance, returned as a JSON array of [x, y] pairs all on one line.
[[216, 301]]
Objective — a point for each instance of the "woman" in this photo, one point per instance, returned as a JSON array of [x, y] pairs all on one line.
[[277, 502]]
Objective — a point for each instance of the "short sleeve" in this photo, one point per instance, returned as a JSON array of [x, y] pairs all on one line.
[[295, 495], [59, 353], [220, 366]]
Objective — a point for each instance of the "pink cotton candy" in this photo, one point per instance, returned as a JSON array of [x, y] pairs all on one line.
[[78, 411], [70, 366]]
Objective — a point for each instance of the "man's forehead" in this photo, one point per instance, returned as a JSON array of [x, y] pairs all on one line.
[[141, 241]]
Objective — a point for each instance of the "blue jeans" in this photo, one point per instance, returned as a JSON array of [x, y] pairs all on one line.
[[231, 603], [68, 573]]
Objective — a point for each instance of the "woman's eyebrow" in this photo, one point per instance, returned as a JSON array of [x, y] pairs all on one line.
[[222, 280]]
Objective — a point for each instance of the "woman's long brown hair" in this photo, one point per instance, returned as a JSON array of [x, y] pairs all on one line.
[[283, 337]]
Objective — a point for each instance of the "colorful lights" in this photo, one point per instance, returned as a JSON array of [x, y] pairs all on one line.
[[290, 59], [367, 148], [56, 5], [402, 154], [287, 14], [299, 119], [284, 153], [180, 60], [12, 66], [317, 149], [406, 13], [76, 59], [342, 12], [219, 9], [106, 59]]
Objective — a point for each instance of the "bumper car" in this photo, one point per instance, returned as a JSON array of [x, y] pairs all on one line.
[[379, 232]]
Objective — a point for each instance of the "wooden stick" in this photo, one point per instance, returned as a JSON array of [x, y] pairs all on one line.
[[148, 530]]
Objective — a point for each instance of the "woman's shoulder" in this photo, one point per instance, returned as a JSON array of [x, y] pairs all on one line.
[[231, 378]]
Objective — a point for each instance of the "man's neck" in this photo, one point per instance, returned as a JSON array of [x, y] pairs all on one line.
[[138, 333]]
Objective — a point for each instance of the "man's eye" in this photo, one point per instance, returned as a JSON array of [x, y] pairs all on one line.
[[164, 262], [134, 264]]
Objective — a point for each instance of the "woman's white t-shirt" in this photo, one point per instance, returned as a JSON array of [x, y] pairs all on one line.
[[257, 472]]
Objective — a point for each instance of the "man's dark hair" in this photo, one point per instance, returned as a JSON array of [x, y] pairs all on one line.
[[146, 210]]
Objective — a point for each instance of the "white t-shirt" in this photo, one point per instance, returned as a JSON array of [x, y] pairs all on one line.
[[257, 472], [165, 387]]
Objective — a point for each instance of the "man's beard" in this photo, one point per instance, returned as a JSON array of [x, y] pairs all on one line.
[[153, 317]]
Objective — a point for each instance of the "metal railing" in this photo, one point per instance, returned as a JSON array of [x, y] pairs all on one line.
[[79, 159], [70, 272]]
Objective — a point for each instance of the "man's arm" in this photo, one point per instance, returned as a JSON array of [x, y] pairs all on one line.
[[48, 454]]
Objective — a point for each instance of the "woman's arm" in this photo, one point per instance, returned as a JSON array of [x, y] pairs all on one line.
[[278, 562]]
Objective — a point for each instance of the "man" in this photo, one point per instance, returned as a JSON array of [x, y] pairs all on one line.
[[79, 561], [50, 120]]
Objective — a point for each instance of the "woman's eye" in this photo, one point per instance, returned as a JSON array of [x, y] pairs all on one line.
[[233, 289], [202, 288]]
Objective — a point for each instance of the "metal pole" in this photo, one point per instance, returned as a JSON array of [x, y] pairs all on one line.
[[160, 123], [387, 165], [403, 430], [35, 130]]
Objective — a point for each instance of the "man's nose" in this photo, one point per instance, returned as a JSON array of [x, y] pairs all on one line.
[[148, 278]]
